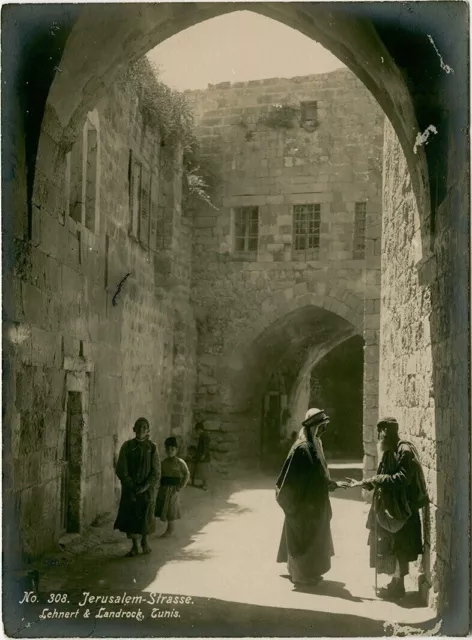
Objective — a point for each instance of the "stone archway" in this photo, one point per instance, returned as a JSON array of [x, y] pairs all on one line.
[[266, 369], [122, 33], [115, 34], [133, 29], [338, 300]]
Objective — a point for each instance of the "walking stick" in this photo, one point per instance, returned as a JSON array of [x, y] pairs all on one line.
[[375, 550]]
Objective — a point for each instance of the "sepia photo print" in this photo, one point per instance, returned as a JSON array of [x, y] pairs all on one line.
[[236, 304]]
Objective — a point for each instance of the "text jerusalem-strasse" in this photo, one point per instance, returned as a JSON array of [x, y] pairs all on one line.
[[124, 598]]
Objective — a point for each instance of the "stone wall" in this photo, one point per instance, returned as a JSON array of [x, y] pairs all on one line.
[[74, 338], [264, 157], [423, 372]]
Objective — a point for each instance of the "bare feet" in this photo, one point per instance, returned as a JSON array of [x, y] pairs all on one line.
[[169, 531], [132, 552]]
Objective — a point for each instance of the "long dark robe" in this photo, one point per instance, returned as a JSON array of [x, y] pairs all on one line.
[[302, 492], [138, 467], [400, 476], [203, 453]]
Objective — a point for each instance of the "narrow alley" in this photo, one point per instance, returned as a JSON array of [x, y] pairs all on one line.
[[223, 558], [202, 252]]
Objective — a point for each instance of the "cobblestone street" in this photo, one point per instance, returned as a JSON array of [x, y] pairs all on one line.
[[223, 557]]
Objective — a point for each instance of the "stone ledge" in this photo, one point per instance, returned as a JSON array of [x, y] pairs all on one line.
[[78, 364]]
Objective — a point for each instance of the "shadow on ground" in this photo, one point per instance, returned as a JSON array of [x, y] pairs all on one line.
[[100, 568], [104, 566], [97, 563]]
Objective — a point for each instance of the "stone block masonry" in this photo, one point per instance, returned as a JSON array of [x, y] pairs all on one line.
[[423, 372], [276, 158], [100, 330], [204, 327]]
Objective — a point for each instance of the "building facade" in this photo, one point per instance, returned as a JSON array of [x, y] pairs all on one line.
[[286, 265]]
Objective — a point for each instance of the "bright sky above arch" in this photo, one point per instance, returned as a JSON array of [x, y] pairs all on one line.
[[237, 47]]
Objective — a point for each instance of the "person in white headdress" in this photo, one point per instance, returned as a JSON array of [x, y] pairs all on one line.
[[302, 491]]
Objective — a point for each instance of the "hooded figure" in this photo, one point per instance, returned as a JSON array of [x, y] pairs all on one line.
[[302, 491]]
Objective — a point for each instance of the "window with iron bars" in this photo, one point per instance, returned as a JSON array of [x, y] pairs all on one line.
[[246, 231], [359, 230], [306, 231]]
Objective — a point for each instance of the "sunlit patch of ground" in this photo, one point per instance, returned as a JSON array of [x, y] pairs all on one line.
[[233, 558], [223, 554]]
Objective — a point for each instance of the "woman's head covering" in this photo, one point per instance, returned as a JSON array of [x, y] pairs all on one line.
[[170, 442], [315, 417], [140, 421], [388, 424]]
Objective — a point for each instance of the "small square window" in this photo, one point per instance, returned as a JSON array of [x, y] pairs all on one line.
[[309, 113]]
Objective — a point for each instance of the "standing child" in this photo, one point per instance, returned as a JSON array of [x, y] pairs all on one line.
[[175, 475]]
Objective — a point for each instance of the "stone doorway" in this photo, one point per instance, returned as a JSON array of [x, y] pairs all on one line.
[[71, 461]]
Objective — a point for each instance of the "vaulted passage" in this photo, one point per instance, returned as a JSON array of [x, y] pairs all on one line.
[[118, 291], [264, 403], [336, 385], [283, 348]]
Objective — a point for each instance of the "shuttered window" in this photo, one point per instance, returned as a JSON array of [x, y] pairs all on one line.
[[91, 167], [144, 208], [135, 170], [155, 241], [75, 181]]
